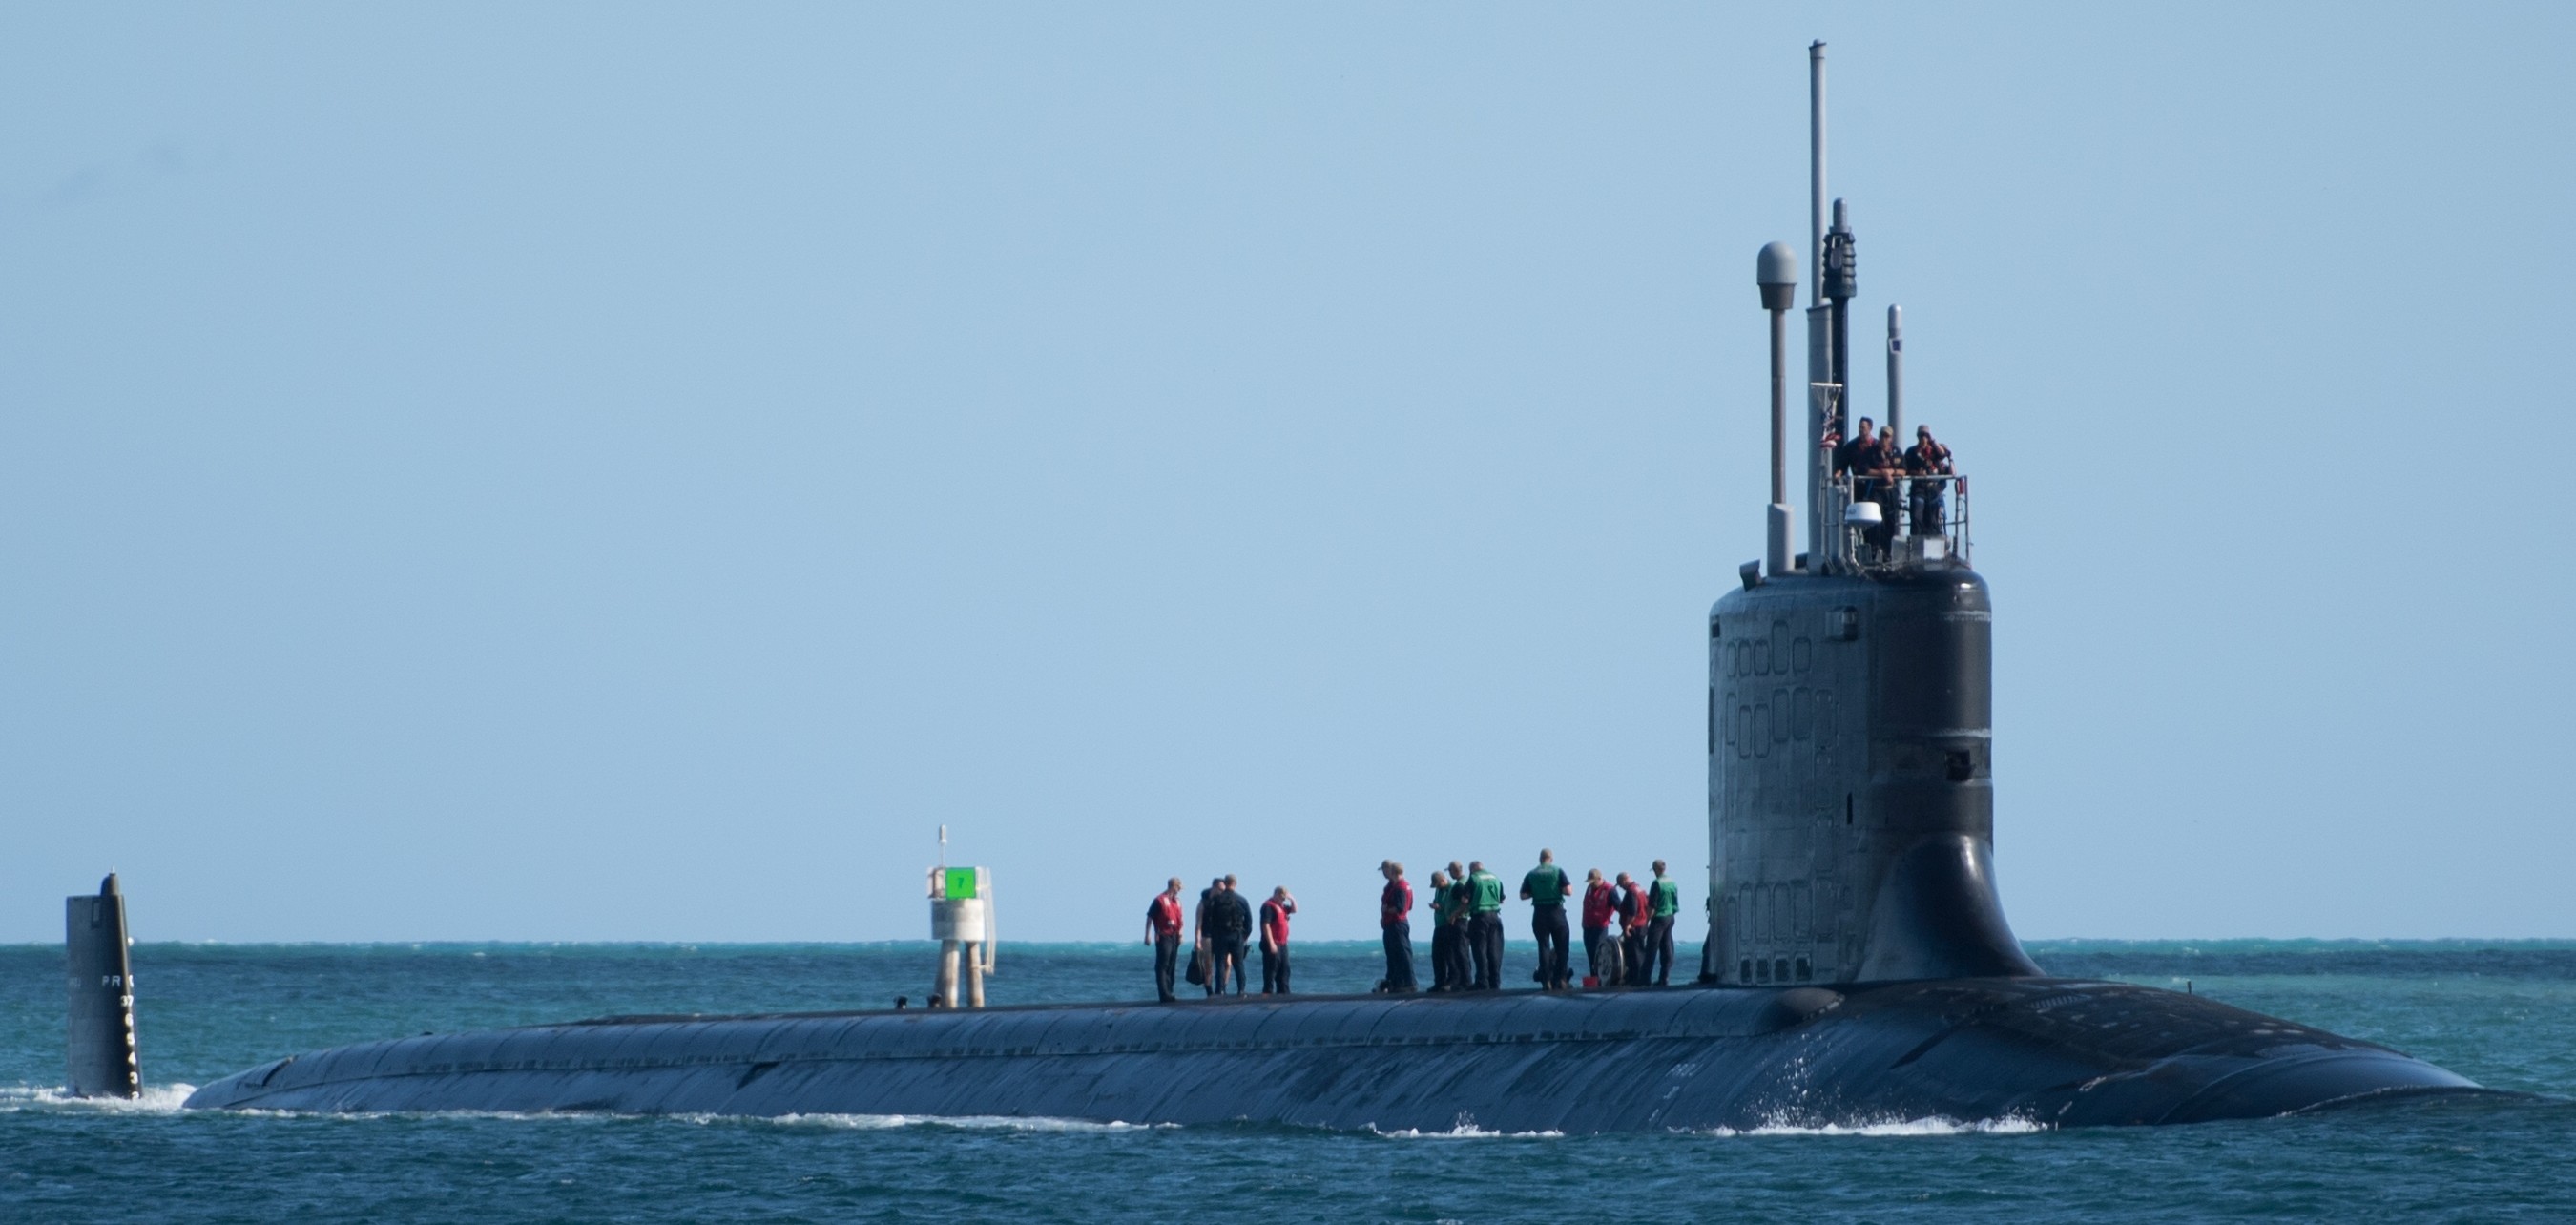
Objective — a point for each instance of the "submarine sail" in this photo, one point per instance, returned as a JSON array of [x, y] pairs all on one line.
[[1858, 967]]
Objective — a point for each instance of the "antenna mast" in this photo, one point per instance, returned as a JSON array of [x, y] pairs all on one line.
[[1896, 372], [1775, 270], [1816, 164], [1823, 399]]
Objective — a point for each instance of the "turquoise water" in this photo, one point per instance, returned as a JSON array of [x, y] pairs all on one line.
[[2503, 1014]]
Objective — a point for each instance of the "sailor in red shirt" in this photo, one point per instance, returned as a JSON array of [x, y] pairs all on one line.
[[1274, 941], [1600, 919], [1163, 931], [1394, 906], [1634, 915]]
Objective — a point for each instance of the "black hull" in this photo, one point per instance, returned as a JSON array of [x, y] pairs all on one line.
[[2052, 1052]]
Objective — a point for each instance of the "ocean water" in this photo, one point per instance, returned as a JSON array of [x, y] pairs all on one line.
[[2501, 1013]]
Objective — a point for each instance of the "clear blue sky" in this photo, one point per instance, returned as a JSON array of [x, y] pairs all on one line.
[[629, 472]]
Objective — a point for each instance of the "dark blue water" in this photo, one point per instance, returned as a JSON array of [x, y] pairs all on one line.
[[2504, 1014]]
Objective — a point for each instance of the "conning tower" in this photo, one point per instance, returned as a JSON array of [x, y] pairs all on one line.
[[1850, 740]]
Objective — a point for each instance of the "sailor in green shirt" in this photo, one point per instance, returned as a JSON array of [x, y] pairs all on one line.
[[1545, 889], [1663, 900], [1485, 925]]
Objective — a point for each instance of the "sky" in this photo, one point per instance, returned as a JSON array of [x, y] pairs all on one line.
[[633, 472]]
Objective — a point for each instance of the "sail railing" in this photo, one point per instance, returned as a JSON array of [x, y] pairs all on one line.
[[1900, 521]]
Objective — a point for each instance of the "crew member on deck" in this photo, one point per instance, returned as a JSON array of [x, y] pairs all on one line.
[[1443, 894], [1274, 941], [1229, 929], [1545, 888], [1927, 458], [1462, 971], [1600, 929], [1241, 925], [1485, 925], [1163, 932], [1664, 900], [1203, 938], [1633, 921], [1395, 926], [1462, 966]]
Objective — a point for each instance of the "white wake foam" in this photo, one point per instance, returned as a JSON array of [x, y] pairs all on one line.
[[1464, 1129], [1887, 1127], [166, 1099], [843, 1122], [1467, 1129], [156, 1099], [883, 1122]]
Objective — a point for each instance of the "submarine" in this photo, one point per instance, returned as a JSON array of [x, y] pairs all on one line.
[[1857, 966]]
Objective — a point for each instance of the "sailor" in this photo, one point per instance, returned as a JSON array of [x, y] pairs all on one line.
[[1853, 458], [1238, 932], [1545, 888], [1203, 939], [1863, 459], [1441, 936], [1927, 458], [1632, 930], [1274, 941], [1462, 973], [1664, 900], [1163, 934], [1485, 925], [1395, 926], [1891, 468], [1600, 941]]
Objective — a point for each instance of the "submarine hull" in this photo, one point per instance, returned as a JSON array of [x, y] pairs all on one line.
[[2049, 1052]]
